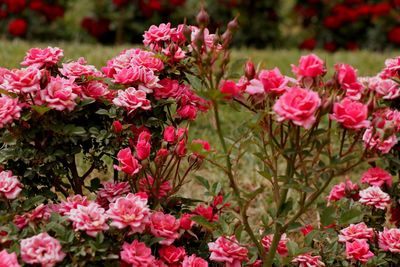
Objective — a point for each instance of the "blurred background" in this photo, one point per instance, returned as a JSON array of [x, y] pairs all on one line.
[[306, 24]]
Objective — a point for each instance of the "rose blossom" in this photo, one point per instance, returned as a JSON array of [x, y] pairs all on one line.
[[8, 260], [373, 140], [127, 163], [389, 240], [281, 249], [94, 89], [132, 99], [387, 89], [309, 66], [194, 261], [351, 114], [111, 191], [137, 254], [206, 212], [130, 211], [358, 250], [341, 190], [165, 226], [374, 196], [187, 112], [10, 187], [72, 202], [228, 88], [23, 80], [392, 69], [298, 105], [227, 250], [254, 87], [146, 184], [356, 231], [307, 260], [76, 69], [168, 88], [9, 110], [376, 177], [171, 254], [143, 147], [42, 57], [60, 94], [156, 34], [169, 134], [273, 81], [91, 219], [185, 222], [347, 78], [41, 249]]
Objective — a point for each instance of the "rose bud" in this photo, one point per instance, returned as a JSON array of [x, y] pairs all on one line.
[[117, 127], [249, 70], [202, 17]]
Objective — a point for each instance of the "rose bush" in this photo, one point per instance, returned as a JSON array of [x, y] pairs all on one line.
[[92, 161]]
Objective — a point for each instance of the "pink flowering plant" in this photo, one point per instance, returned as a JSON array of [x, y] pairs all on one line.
[[93, 160]]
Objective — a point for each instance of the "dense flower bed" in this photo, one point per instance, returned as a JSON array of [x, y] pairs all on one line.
[[349, 24], [26, 18], [92, 161]]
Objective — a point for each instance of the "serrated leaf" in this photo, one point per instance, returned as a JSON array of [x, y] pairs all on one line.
[[203, 222], [194, 82], [351, 216], [328, 216], [40, 109], [32, 202], [203, 181]]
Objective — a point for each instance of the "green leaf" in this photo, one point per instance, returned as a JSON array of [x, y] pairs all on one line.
[[56, 227], [328, 216], [87, 101], [71, 129], [40, 109], [351, 216], [292, 248], [8, 93], [32, 202], [203, 222], [203, 181], [194, 82]]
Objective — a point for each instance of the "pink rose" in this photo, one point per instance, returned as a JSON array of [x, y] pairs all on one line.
[[45, 57], [356, 231], [144, 58], [137, 254], [228, 251], [60, 94], [342, 190], [127, 163], [168, 88], [376, 177], [156, 34], [207, 212], [165, 226], [76, 69], [72, 202], [188, 112], [358, 250], [8, 260], [255, 87], [307, 260], [373, 140], [298, 105], [111, 191], [389, 240], [169, 134], [387, 89], [309, 66], [171, 254], [194, 261], [181, 148], [185, 222], [392, 69], [117, 127], [273, 81], [347, 78], [228, 88], [282, 250], [130, 211], [143, 148], [10, 187], [158, 190], [23, 80], [41, 249], [9, 110], [95, 90], [374, 196], [174, 53], [351, 114], [132, 99], [91, 219]]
